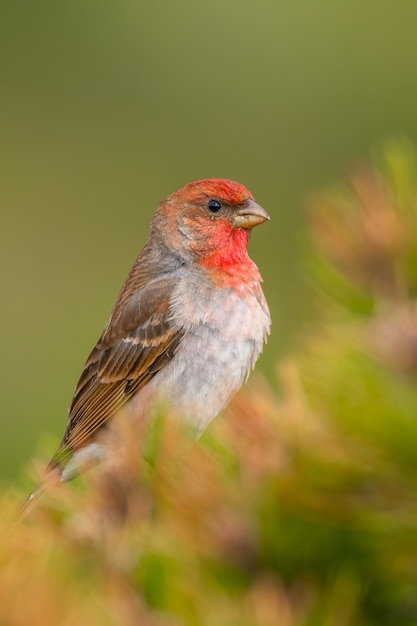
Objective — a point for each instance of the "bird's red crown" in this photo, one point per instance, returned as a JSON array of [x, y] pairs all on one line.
[[227, 190]]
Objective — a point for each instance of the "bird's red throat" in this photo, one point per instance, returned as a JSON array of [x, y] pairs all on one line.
[[230, 256]]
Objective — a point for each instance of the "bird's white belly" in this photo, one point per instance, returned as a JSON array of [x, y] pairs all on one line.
[[223, 339]]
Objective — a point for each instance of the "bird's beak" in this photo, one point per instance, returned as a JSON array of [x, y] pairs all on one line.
[[250, 215]]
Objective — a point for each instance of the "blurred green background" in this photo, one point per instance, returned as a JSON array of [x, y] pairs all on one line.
[[109, 106]]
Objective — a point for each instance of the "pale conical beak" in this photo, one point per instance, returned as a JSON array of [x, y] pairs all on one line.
[[250, 215]]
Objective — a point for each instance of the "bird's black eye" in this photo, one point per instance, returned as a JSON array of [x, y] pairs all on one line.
[[214, 206]]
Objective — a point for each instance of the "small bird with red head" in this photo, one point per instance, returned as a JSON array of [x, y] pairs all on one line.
[[187, 327]]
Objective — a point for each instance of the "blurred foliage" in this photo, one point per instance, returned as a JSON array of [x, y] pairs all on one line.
[[295, 509], [106, 107]]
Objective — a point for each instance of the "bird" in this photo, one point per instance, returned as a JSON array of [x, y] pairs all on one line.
[[187, 327]]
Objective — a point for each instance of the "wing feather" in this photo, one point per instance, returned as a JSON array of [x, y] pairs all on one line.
[[139, 340]]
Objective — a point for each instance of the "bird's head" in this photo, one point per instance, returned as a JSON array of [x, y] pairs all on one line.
[[210, 221]]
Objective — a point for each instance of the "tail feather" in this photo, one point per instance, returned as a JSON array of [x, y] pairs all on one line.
[[51, 478], [64, 466]]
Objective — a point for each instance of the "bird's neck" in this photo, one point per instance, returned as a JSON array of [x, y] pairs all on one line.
[[229, 262]]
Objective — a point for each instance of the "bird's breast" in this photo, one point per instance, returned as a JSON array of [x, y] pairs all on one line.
[[224, 331]]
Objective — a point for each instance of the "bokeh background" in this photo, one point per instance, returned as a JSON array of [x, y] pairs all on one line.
[[106, 107]]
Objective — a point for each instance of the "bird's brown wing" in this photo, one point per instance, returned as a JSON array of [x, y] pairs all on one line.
[[139, 341]]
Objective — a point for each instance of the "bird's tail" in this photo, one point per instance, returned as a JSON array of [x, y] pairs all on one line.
[[64, 466], [52, 477]]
